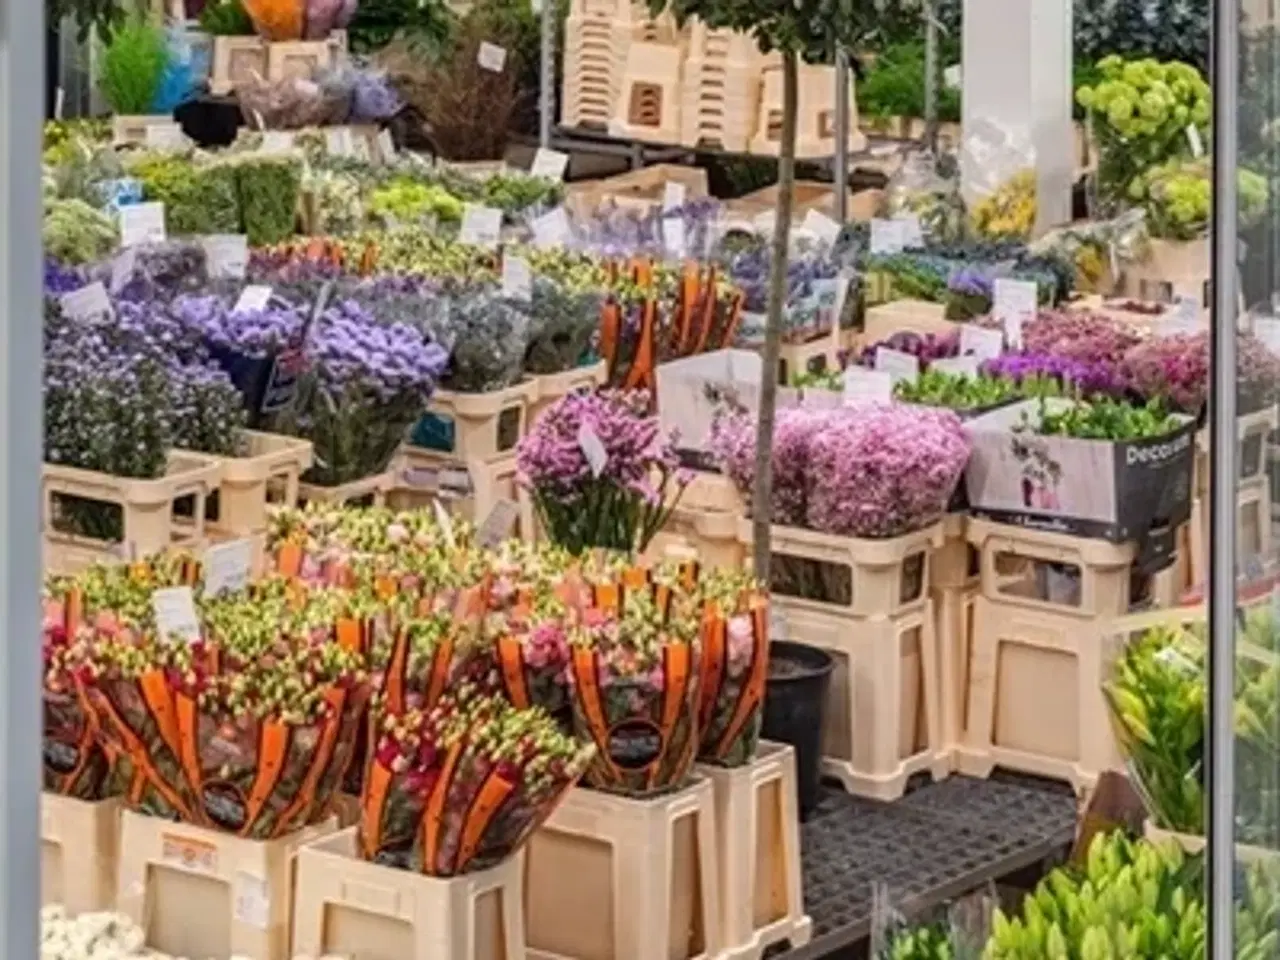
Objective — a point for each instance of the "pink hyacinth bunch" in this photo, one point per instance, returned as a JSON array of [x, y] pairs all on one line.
[[884, 470]]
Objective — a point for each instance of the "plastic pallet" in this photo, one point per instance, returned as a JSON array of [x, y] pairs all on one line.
[[939, 842]]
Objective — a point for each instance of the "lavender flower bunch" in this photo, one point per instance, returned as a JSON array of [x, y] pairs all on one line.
[[363, 385], [969, 294], [733, 446], [160, 272], [617, 504], [1075, 376], [250, 333], [61, 278], [927, 347]]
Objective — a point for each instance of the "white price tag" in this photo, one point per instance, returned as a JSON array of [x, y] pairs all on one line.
[[87, 303], [867, 386], [227, 566], [122, 268], [141, 223], [673, 195], [481, 225], [886, 236], [339, 142], [175, 613], [277, 141], [549, 164], [956, 366], [445, 523], [164, 136], [1014, 304], [253, 298], [1182, 317], [912, 232], [593, 449], [227, 255], [821, 226], [673, 236], [1195, 141], [952, 77], [517, 279], [386, 146], [492, 57], [1267, 330], [980, 342], [899, 365], [551, 229], [253, 904], [59, 102], [498, 524]]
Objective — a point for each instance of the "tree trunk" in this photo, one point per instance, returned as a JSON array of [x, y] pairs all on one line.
[[762, 492]]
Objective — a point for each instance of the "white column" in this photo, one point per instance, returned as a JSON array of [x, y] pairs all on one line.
[[1016, 100], [22, 45]]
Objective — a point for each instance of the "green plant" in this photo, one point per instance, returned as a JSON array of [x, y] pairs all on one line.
[[1178, 197], [1145, 113], [962, 393], [198, 199], [100, 16], [133, 66], [226, 18], [269, 189], [423, 25], [405, 201], [921, 943], [1106, 419], [894, 86], [75, 232]]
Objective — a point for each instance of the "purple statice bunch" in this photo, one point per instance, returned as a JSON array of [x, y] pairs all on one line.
[[601, 472], [884, 470], [1174, 369], [363, 384], [1075, 376], [405, 298], [971, 282], [248, 333], [1078, 335], [372, 97], [733, 445], [158, 272], [60, 278], [926, 346]]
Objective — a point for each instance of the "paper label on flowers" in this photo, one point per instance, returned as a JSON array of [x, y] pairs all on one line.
[[593, 449], [550, 164], [122, 268], [175, 613], [1195, 141], [253, 298], [673, 195], [886, 236], [1014, 304], [481, 226], [497, 526], [87, 303], [980, 342], [551, 229], [1267, 329], [821, 226], [912, 233], [339, 142], [899, 365], [867, 386], [492, 57], [227, 566], [276, 141], [283, 383], [253, 905], [164, 136], [673, 236], [517, 279], [142, 223], [227, 254], [956, 366]]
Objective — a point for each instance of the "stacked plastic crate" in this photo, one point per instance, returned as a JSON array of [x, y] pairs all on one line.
[[597, 37], [720, 89]]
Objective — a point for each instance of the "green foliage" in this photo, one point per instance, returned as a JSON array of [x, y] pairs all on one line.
[[198, 199], [895, 86], [1178, 198], [812, 29], [1143, 111], [133, 66], [1106, 419], [424, 25], [76, 233], [90, 15], [226, 18]]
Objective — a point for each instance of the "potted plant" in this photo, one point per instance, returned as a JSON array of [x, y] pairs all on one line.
[[131, 75]]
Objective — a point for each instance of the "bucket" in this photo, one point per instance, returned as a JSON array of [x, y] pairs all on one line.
[[794, 704]]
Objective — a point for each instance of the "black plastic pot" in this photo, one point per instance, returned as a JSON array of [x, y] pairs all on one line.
[[794, 705]]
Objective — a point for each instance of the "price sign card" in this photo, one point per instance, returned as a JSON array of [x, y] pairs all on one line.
[[175, 613], [912, 232], [899, 365], [821, 226], [886, 236], [141, 223], [276, 141], [551, 229], [87, 303], [498, 524], [980, 342], [1182, 317], [1014, 305], [227, 566], [1267, 329], [339, 142], [481, 225], [164, 136], [867, 386], [492, 57], [122, 268], [549, 164], [517, 279], [593, 449], [227, 255], [253, 298], [673, 195], [956, 366], [673, 236]]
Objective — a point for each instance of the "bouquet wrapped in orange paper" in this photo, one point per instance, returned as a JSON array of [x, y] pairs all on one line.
[[277, 19], [462, 786]]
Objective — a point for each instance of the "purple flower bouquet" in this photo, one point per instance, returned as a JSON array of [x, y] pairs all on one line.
[[600, 471]]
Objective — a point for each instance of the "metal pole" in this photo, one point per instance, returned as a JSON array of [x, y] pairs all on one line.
[[841, 164], [930, 77], [1221, 781], [22, 51], [547, 74]]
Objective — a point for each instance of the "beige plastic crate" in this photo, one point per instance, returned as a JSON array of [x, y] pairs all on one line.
[[132, 130], [268, 473], [417, 472], [611, 878], [236, 60], [1254, 516], [598, 34], [371, 490], [1035, 665], [204, 893], [883, 720], [79, 843], [298, 59], [758, 832], [712, 491], [813, 356], [345, 906], [487, 426], [552, 387], [886, 577], [638, 187], [906, 316], [815, 114], [1182, 266], [955, 584], [648, 106], [147, 505], [711, 535], [720, 89]]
